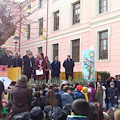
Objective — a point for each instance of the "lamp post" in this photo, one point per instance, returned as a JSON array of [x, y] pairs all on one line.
[[15, 38]]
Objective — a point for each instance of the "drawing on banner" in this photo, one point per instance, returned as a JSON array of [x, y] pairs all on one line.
[[88, 65]]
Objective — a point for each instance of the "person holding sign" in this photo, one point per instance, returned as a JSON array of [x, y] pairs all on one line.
[[40, 66]]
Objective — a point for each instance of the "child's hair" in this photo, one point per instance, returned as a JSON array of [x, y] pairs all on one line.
[[111, 114], [92, 85], [66, 88], [100, 88], [71, 88], [80, 107], [76, 84], [93, 114], [43, 86], [55, 89], [99, 109], [117, 114], [61, 86], [50, 87], [37, 94], [38, 88]]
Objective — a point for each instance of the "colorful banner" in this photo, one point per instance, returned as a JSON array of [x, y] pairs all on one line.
[[88, 65], [5, 103], [3, 71]]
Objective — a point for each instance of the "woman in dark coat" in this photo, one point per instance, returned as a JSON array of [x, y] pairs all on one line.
[[21, 96], [41, 65], [55, 66]]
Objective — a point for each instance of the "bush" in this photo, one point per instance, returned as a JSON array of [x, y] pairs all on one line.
[[105, 75]]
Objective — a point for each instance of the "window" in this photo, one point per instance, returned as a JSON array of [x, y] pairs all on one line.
[[103, 6], [28, 31], [40, 26], [76, 50], [76, 13], [103, 45], [56, 21], [40, 49], [41, 3], [55, 50]]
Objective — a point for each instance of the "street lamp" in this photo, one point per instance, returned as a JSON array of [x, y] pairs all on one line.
[[15, 38]]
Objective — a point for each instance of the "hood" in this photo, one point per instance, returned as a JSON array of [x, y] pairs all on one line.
[[76, 117], [21, 85]]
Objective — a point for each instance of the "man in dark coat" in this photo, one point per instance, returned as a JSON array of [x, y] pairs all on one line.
[[21, 96], [17, 61], [55, 68], [28, 64], [6, 59], [69, 65]]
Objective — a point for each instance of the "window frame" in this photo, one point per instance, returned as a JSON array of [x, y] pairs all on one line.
[[97, 31], [40, 28], [74, 9], [56, 21], [100, 7], [28, 30], [73, 48], [54, 51], [106, 51]]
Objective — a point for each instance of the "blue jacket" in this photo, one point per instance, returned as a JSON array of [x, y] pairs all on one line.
[[59, 101], [61, 92], [68, 65], [76, 117], [79, 95], [112, 92], [66, 98]]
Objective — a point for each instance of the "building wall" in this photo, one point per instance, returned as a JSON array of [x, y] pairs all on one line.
[[87, 30]]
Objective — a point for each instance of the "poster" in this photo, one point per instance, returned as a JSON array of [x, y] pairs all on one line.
[[3, 71], [5, 103], [88, 65]]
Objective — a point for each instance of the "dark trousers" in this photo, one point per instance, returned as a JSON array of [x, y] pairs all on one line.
[[47, 75], [69, 74], [29, 73]]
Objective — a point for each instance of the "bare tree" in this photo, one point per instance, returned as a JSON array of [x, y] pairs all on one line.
[[12, 14]]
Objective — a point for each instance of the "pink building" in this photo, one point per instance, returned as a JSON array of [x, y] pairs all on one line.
[[74, 26]]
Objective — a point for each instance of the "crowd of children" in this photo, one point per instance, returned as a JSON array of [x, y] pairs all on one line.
[[68, 102]]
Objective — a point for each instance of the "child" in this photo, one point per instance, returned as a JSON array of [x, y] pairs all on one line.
[[99, 95], [66, 97], [79, 110], [113, 95], [85, 92], [79, 94]]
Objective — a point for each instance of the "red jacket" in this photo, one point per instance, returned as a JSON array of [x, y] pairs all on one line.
[[42, 65]]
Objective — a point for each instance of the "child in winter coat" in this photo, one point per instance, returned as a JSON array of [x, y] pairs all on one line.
[[113, 94], [79, 94], [85, 92], [79, 110], [99, 95]]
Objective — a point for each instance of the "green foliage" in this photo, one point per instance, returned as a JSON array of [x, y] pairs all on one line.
[[105, 75], [2, 51]]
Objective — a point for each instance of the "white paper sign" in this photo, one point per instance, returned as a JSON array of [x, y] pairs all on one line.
[[6, 81], [39, 72]]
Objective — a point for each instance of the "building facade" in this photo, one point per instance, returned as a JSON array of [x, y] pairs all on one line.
[[74, 26]]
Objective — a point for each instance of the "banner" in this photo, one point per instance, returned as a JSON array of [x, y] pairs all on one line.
[[3, 71], [88, 65], [5, 103]]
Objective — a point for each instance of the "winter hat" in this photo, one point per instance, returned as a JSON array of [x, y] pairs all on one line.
[[21, 116], [65, 82], [36, 113], [79, 87], [84, 89], [57, 114], [112, 83]]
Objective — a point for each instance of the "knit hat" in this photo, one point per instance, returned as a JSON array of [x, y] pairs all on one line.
[[84, 89], [79, 87], [112, 83]]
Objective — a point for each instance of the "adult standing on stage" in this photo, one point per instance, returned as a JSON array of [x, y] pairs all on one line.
[[55, 68], [40, 65], [17, 61], [6, 59], [28, 64], [69, 65]]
